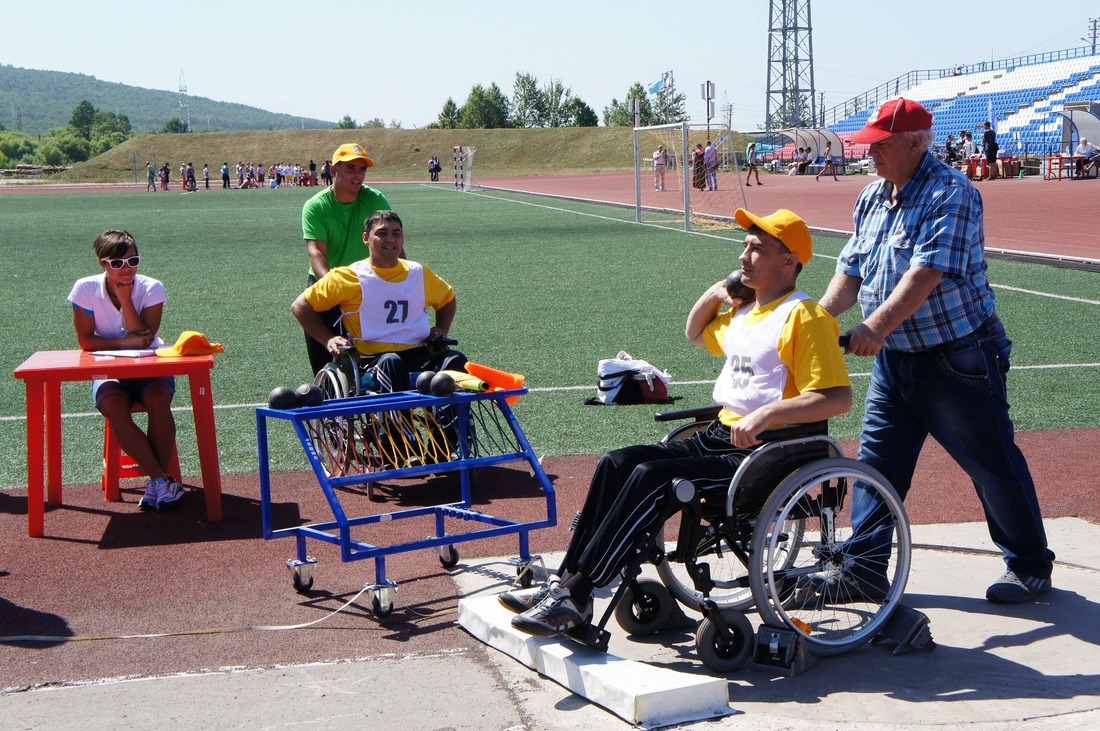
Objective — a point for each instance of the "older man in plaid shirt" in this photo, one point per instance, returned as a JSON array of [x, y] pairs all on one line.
[[916, 265]]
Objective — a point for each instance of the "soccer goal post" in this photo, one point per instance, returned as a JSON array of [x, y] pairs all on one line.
[[464, 167], [673, 138], [700, 184]]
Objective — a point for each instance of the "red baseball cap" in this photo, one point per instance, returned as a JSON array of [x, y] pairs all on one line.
[[896, 115]]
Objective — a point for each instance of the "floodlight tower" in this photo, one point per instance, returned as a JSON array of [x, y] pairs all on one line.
[[185, 108], [791, 94]]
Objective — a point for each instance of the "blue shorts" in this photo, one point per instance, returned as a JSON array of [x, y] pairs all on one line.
[[132, 388]]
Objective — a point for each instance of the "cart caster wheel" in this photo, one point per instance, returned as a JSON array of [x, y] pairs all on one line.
[[302, 573], [301, 585], [381, 611], [646, 612], [721, 656], [448, 556], [525, 577]]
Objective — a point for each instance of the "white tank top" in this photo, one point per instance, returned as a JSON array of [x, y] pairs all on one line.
[[753, 375], [392, 312]]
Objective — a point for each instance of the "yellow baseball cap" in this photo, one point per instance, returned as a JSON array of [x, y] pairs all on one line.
[[191, 343], [784, 225], [351, 151]]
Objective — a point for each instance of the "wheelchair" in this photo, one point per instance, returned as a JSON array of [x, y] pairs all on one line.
[[376, 441], [779, 538]]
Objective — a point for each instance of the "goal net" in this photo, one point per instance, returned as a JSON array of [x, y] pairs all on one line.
[[464, 168], [702, 176]]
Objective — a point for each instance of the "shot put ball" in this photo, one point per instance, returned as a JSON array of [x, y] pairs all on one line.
[[443, 385], [737, 290], [424, 382], [282, 397], [309, 394]]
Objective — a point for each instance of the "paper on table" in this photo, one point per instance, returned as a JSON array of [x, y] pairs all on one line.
[[126, 353]]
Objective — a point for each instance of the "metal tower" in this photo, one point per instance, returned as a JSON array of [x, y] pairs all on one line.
[[185, 108], [791, 94]]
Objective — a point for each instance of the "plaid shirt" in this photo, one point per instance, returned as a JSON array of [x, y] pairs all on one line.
[[936, 223]]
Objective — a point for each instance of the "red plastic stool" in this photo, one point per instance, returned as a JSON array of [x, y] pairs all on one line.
[[117, 464]]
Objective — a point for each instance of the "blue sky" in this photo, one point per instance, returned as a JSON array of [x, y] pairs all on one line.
[[401, 61]]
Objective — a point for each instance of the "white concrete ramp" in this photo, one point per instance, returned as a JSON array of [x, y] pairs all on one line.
[[641, 694]]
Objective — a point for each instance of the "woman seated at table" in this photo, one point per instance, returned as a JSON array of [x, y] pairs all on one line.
[[119, 309]]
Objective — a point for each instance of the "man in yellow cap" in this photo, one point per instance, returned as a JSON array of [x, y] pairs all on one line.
[[332, 226], [782, 366]]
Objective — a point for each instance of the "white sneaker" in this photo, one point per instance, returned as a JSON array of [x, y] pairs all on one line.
[[149, 500], [170, 494]]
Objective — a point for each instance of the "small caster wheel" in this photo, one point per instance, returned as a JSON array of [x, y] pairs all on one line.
[[379, 609], [302, 585], [302, 573], [725, 656], [448, 556], [525, 577], [645, 612]]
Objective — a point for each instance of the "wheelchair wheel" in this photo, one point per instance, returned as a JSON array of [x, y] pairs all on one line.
[[728, 571], [834, 588], [725, 656], [332, 437], [646, 612]]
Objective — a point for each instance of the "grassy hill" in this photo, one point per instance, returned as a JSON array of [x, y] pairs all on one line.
[[35, 101], [397, 153]]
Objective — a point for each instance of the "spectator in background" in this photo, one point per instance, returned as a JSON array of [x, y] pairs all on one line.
[[326, 172], [150, 177], [332, 227], [990, 148], [1088, 157], [225, 176], [240, 173], [710, 160], [660, 162], [206, 175], [312, 174], [698, 168], [750, 158]]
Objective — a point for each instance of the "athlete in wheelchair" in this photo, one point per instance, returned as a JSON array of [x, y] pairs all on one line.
[[387, 337], [764, 510]]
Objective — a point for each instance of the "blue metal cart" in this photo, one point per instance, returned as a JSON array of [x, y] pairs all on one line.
[[340, 440]]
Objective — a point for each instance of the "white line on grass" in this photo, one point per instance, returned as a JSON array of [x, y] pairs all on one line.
[[1048, 294]]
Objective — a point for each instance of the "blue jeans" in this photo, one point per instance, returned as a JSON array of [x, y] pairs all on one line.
[[957, 393]]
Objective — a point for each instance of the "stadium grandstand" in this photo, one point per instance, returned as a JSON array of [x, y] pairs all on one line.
[[1039, 104]]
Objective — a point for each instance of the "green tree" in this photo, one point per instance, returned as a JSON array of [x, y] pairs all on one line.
[[583, 115], [484, 109], [16, 147], [376, 123], [529, 104], [346, 123], [173, 126], [448, 117], [619, 114], [395, 124], [559, 104], [670, 107], [83, 118]]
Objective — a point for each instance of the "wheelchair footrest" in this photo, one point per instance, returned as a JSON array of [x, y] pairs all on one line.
[[782, 648], [591, 635], [908, 629]]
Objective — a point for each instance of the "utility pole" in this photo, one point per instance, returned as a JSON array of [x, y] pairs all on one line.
[[1092, 34]]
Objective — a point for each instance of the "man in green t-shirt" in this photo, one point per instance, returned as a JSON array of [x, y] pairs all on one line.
[[332, 226]]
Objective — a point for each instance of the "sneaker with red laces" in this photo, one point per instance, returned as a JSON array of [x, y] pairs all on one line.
[[555, 614]]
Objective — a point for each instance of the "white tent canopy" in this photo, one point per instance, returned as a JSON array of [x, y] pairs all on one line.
[[1085, 123], [814, 139]]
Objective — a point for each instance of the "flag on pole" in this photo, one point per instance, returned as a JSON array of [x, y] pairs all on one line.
[[989, 113], [658, 86]]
